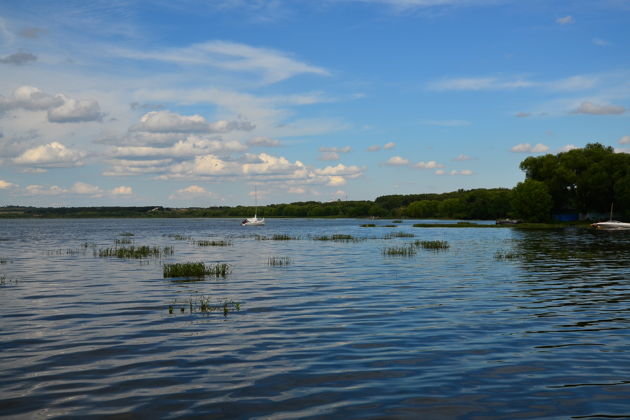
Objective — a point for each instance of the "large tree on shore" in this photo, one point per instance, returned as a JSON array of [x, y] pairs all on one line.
[[586, 179]]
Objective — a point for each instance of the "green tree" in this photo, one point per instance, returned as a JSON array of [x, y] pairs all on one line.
[[531, 201]]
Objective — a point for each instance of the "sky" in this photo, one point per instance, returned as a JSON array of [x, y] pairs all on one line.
[[206, 103]]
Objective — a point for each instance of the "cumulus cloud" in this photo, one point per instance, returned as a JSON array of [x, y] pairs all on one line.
[[397, 161], [31, 99], [83, 188], [44, 190], [590, 108], [122, 190], [374, 148], [191, 146], [388, 146], [170, 122], [522, 114], [600, 42], [332, 153], [464, 172], [566, 20], [74, 110], [6, 185], [568, 147], [18, 59], [428, 165], [624, 140], [296, 190], [461, 157], [479, 83], [528, 148], [191, 192], [51, 155], [328, 156]]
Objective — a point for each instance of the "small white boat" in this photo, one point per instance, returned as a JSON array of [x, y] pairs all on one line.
[[611, 225], [254, 221]]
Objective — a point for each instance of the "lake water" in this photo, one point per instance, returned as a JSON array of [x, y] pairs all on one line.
[[503, 324]]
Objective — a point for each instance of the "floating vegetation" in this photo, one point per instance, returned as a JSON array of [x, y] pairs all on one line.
[[404, 251], [436, 245], [276, 237], [4, 281], [4, 261], [135, 251], [279, 261], [126, 234], [396, 221], [213, 243], [67, 251], [196, 269], [123, 241], [204, 305], [399, 235], [337, 238], [390, 226], [506, 255], [179, 237], [368, 225]]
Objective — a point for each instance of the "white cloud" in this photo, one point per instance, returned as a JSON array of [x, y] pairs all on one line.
[[83, 188], [262, 141], [6, 185], [568, 147], [440, 172], [73, 110], [397, 161], [329, 156], [345, 149], [122, 190], [389, 146], [51, 155], [522, 114], [374, 148], [44, 190], [600, 42], [528, 148], [193, 145], [31, 99], [170, 122], [296, 190], [336, 181], [428, 165], [461, 157], [479, 83], [270, 65], [566, 20], [624, 140], [191, 192], [340, 169], [464, 172], [590, 108]]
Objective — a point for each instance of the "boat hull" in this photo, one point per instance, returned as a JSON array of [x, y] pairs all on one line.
[[611, 225]]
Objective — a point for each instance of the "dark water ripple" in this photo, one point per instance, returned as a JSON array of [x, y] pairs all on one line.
[[343, 331]]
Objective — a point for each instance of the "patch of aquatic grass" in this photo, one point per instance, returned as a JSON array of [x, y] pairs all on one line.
[[195, 269], [213, 243], [403, 251], [66, 251], [203, 304], [278, 261], [368, 225], [399, 235], [135, 251], [4, 281], [126, 234], [436, 245], [123, 241], [4, 261], [506, 255], [397, 221], [276, 237], [337, 238]]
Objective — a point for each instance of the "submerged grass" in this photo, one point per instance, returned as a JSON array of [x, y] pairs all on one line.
[[179, 237], [368, 225], [276, 237], [278, 261], [135, 251], [126, 234], [203, 304], [213, 243], [123, 241], [403, 251], [436, 245], [506, 255], [195, 269]]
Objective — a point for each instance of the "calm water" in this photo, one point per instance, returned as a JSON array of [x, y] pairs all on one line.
[[343, 331]]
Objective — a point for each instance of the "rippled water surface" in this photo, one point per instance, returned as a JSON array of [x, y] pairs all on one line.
[[502, 324]]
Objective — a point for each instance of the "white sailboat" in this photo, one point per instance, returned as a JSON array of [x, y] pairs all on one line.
[[254, 221], [611, 224]]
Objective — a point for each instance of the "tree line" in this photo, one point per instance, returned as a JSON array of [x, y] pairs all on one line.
[[580, 181]]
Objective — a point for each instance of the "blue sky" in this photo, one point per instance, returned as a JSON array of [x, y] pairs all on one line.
[[195, 103]]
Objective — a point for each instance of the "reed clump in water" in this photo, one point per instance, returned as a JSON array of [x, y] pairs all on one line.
[[196, 269], [179, 237], [135, 251], [368, 225], [399, 235], [435, 245], [203, 304], [506, 255], [278, 261], [126, 234], [123, 241], [337, 238], [403, 251], [213, 243]]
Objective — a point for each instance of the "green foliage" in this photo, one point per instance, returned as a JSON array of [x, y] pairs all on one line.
[[279, 261], [195, 269], [435, 245], [531, 201], [402, 251], [135, 251]]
